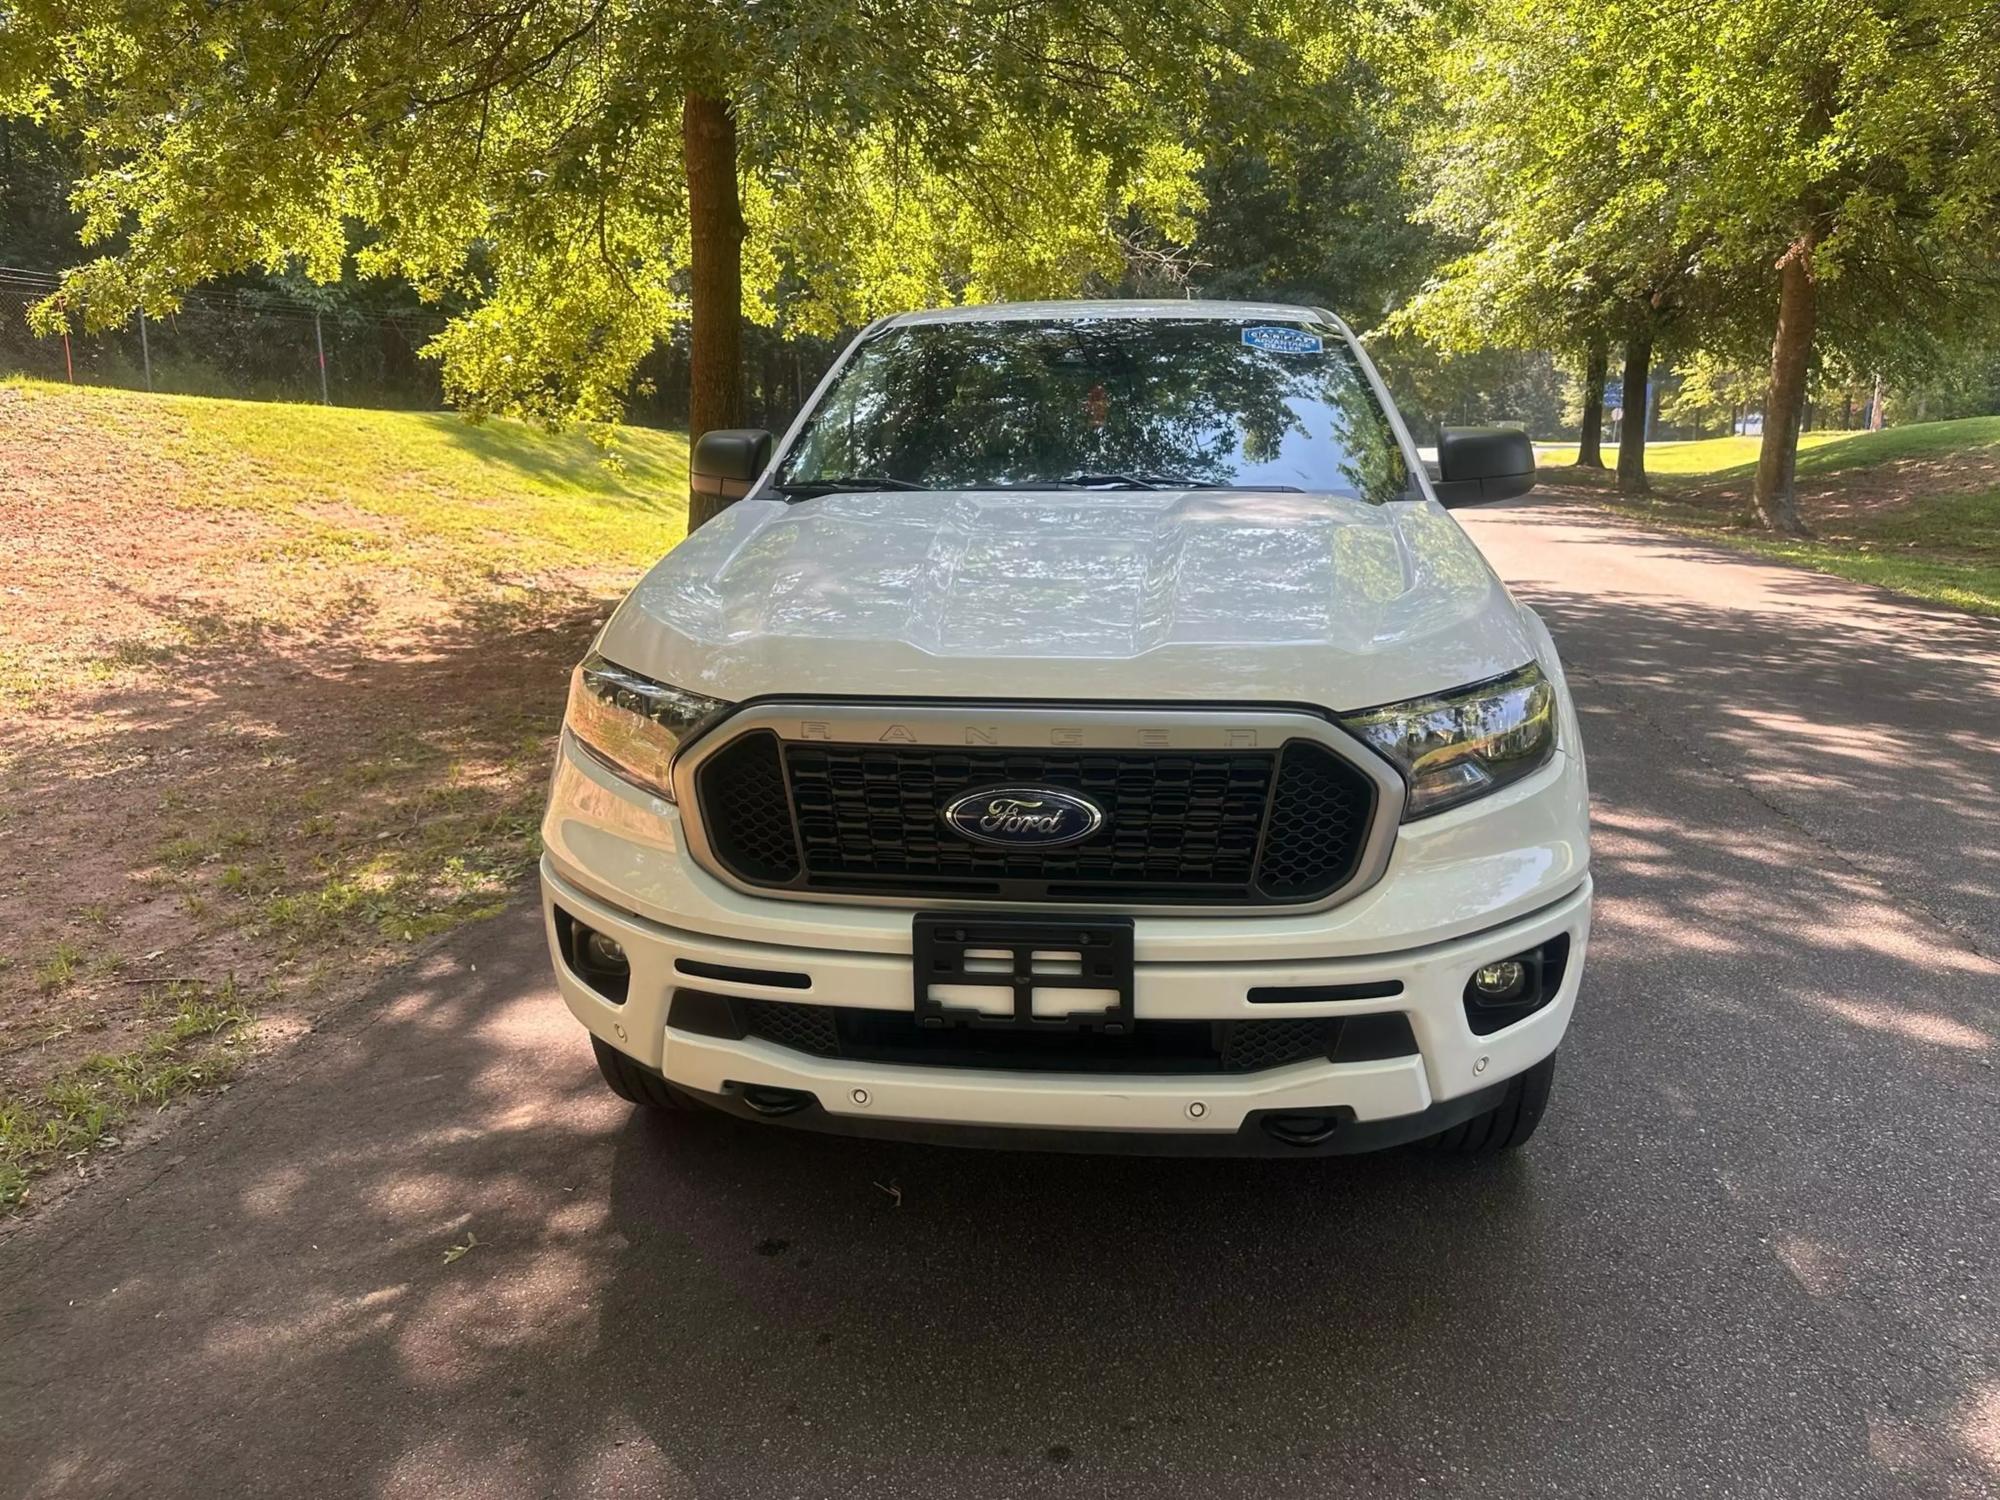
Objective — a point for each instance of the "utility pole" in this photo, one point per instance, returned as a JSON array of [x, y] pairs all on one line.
[[320, 344], [145, 351]]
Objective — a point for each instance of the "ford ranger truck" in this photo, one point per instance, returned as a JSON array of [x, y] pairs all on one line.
[[1085, 729]]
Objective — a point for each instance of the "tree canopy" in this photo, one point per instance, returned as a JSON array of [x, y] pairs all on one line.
[[1818, 176], [586, 173], [1809, 186]]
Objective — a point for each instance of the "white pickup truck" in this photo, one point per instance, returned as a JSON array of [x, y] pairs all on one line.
[[1087, 730]]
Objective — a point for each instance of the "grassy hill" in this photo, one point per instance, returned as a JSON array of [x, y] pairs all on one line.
[[278, 688], [1915, 509]]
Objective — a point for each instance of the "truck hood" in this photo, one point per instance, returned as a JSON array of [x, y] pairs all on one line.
[[1123, 595]]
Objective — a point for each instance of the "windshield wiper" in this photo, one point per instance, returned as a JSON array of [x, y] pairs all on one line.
[[847, 484], [1121, 481], [1154, 482]]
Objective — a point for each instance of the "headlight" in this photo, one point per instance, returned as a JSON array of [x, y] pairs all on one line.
[[1464, 744], [633, 724]]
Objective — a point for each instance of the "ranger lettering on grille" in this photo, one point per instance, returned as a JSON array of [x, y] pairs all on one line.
[[1058, 736]]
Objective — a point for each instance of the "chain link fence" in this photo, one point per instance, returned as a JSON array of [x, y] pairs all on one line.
[[255, 345], [224, 343]]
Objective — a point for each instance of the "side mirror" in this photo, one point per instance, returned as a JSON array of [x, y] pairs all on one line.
[[728, 460], [1478, 464]]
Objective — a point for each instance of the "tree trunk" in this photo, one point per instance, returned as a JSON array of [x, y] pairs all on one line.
[[1775, 496], [715, 223], [1632, 431], [1596, 363]]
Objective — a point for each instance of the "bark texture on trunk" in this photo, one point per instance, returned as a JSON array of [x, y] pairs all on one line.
[[1775, 495], [1632, 430], [1596, 365], [715, 223]]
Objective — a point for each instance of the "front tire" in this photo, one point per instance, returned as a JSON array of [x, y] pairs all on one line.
[[632, 1083], [1506, 1126]]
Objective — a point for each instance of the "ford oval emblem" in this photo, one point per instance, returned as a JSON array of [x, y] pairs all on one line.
[[1022, 817]]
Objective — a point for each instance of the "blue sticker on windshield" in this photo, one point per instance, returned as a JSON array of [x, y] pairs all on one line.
[[1284, 340]]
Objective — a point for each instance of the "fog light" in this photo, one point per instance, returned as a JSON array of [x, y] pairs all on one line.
[[602, 952], [1500, 982], [1511, 989]]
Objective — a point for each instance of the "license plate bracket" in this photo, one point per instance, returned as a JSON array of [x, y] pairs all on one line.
[[1023, 972]]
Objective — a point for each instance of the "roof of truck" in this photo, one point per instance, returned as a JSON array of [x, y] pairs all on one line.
[[992, 312]]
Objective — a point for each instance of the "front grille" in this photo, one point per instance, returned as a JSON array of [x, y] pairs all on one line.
[[743, 804], [1250, 1046], [1317, 824], [1181, 827], [803, 1028]]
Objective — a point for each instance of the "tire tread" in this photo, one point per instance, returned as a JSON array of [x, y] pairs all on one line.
[[632, 1083], [1509, 1124]]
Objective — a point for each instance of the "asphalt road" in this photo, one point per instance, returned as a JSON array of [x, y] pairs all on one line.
[[1755, 1250]]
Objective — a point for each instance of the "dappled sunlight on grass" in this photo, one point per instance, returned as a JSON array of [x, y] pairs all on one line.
[[1827, 451], [1913, 509], [1697, 456], [301, 715]]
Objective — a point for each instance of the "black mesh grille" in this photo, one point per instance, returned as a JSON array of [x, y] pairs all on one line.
[[805, 1028], [1181, 827], [882, 1036], [1253, 1045], [742, 791], [1319, 822], [869, 815]]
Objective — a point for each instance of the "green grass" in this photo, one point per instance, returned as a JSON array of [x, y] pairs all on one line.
[[74, 1113], [1970, 586], [364, 486], [1820, 453], [1920, 531], [1708, 458], [60, 967]]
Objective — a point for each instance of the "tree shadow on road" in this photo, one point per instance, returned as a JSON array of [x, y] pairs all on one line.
[[1751, 1249], [1869, 721]]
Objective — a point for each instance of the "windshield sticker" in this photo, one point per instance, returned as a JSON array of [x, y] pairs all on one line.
[[1284, 340]]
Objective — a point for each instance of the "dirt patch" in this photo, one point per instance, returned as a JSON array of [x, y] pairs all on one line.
[[1846, 501], [238, 777]]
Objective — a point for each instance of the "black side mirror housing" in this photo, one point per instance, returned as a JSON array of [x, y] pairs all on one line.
[[728, 460], [1480, 464]]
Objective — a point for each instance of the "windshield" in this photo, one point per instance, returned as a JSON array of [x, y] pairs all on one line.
[[1101, 402]]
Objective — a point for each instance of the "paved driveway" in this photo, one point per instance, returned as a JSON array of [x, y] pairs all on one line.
[[1754, 1252]]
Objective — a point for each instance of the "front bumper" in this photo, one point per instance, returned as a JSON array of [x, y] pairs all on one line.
[[1262, 1133], [1453, 1075]]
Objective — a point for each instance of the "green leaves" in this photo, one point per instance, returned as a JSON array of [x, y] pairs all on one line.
[[525, 155], [1599, 158]]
